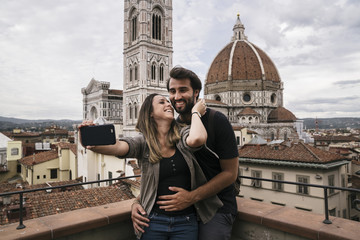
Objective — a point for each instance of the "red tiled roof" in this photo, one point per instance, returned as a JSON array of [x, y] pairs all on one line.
[[251, 132], [48, 204], [281, 114], [11, 187], [131, 182], [71, 146], [55, 184], [333, 138], [296, 152], [41, 203], [55, 132], [340, 150], [248, 111], [244, 62], [39, 158], [115, 92], [133, 164], [237, 128], [26, 134]]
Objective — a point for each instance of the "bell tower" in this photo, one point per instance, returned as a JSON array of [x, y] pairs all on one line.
[[147, 54]]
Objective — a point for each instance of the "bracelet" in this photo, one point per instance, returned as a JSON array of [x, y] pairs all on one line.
[[196, 112]]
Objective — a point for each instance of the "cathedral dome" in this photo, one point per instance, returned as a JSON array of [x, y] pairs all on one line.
[[281, 114], [241, 61]]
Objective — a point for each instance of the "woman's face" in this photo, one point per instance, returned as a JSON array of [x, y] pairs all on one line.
[[162, 108]]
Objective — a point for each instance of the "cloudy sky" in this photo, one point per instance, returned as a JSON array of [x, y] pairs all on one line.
[[49, 50]]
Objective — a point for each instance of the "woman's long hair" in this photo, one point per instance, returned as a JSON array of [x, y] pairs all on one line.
[[148, 127]]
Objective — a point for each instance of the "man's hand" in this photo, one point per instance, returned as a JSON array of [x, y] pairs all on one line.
[[138, 219], [178, 201]]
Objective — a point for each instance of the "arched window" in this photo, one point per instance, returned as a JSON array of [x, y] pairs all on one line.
[[153, 72], [135, 110], [130, 111], [133, 28], [161, 73], [136, 72], [131, 74], [156, 26]]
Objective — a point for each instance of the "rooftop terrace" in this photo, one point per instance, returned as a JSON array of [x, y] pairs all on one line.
[[255, 220]]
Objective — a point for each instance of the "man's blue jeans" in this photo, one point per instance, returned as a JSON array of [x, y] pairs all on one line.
[[218, 228], [184, 227]]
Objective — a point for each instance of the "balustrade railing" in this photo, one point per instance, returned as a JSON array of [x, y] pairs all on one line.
[[356, 202], [21, 193], [324, 187]]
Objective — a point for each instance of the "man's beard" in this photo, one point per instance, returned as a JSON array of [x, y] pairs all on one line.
[[188, 105]]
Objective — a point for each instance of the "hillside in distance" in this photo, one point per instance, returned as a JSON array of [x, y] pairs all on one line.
[[332, 123], [8, 124]]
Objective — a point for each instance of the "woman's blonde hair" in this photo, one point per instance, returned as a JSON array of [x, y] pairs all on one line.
[[148, 127]]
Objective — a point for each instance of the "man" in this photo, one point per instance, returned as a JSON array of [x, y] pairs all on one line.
[[184, 88]]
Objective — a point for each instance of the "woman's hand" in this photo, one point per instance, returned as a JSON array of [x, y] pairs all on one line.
[[200, 107], [86, 123], [138, 217]]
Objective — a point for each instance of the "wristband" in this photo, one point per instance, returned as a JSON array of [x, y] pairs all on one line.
[[196, 112]]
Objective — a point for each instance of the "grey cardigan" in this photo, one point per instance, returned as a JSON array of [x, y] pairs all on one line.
[[138, 148]]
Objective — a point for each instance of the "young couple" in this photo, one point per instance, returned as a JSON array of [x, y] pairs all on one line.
[[188, 165]]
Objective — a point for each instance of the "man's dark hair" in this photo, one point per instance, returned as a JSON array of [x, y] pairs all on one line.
[[183, 73]]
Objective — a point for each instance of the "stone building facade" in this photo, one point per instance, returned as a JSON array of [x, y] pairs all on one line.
[[147, 54], [101, 101], [246, 81]]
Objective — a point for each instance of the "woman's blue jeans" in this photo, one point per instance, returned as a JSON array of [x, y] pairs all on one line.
[[184, 227]]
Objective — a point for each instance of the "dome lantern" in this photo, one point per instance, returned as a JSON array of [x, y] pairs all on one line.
[[239, 30]]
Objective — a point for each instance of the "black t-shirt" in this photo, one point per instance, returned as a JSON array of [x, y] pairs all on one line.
[[174, 172], [221, 140]]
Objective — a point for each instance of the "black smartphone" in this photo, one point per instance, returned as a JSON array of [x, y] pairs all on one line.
[[98, 135]]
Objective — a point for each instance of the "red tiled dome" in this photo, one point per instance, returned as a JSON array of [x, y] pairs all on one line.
[[248, 111], [281, 114], [242, 60]]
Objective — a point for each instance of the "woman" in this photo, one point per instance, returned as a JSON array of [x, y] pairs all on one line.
[[164, 153]]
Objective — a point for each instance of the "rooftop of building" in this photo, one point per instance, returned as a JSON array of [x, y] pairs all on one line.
[[60, 200], [241, 60], [39, 158], [296, 152], [71, 146], [336, 138], [281, 114]]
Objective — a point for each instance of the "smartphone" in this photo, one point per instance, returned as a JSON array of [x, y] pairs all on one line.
[[98, 135]]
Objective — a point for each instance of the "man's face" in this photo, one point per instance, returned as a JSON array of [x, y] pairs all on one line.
[[182, 95]]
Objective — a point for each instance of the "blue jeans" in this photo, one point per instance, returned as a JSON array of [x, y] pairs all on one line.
[[218, 228], [184, 227]]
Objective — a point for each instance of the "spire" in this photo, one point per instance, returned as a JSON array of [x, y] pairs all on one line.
[[239, 30]]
